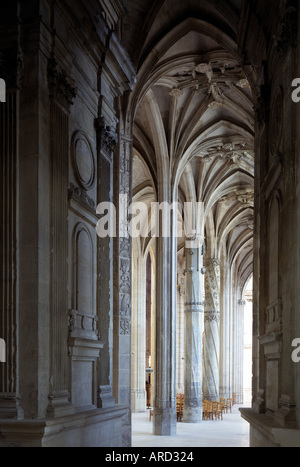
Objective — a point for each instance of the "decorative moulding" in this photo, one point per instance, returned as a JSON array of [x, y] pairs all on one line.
[[83, 161]]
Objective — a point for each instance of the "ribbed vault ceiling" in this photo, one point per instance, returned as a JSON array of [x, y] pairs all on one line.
[[194, 119]]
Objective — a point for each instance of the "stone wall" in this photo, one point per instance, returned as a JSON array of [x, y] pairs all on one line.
[[65, 71], [275, 385]]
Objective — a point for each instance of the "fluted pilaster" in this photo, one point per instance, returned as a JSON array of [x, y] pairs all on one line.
[[10, 70]]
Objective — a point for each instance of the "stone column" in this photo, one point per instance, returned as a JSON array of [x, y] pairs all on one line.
[[211, 330], [165, 354], [224, 363], [122, 283], [180, 333], [10, 71], [138, 391], [106, 142], [194, 327], [62, 94], [238, 384]]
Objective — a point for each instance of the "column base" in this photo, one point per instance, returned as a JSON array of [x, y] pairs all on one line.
[[105, 397], [164, 422], [138, 400], [59, 405], [93, 428], [10, 408], [192, 414]]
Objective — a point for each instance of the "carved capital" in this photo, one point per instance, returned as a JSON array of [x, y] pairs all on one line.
[[107, 139], [61, 87]]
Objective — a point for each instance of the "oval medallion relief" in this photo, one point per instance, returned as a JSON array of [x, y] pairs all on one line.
[[83, 161]]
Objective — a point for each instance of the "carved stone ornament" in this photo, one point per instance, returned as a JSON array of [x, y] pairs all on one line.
[[106, 137], [238, 154], [243, 83], [79, 194], [212, 316], [245, 197], [61, 87], [175, 92], [124, 327]]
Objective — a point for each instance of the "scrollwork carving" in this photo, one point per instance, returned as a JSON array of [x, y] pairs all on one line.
[[124, 327], [61, 87]]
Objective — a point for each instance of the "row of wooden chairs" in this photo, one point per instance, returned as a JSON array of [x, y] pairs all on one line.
[[179, 407], [211, 410]]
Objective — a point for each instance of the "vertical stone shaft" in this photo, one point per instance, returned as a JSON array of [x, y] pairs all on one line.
[[62, 95], [59, 395], [193, 333], [106, 142], [138, 390], [211, 330], [165, 358], [9, 398], [122, 283]]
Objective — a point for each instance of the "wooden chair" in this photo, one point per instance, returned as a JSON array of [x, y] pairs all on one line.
[[215, 406], [219, 412], [179, 407], [207, 411], [229, 405], [224, 405], [233, 399]]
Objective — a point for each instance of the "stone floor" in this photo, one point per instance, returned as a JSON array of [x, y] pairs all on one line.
[[233, 431]]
